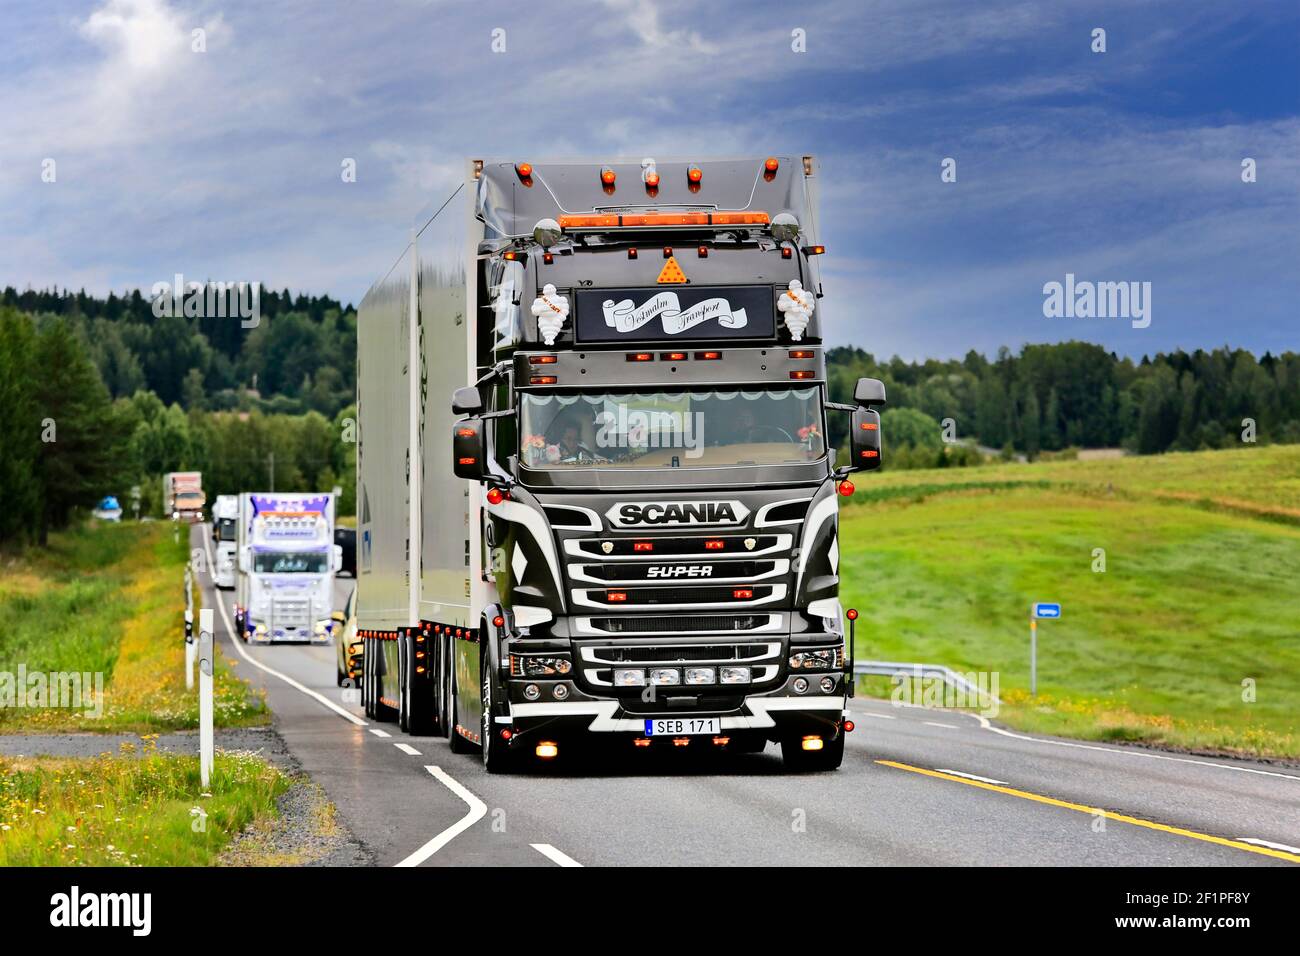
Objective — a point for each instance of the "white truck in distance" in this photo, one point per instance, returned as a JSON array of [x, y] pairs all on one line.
[[286, 564], [225, 516], [183, 497]]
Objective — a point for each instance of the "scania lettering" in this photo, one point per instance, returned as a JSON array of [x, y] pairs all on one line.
[[622, 529]]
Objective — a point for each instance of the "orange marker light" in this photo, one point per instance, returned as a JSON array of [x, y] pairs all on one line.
[[607, 176], [714, 544], [694, 174], [643, 546], [772, 164], [846, 488], [495, 496], [615, 595], [652, 179], [498, 621], [743, 594]]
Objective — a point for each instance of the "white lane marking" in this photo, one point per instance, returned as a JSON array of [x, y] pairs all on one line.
[[234, 639], [971, 776], [407, 749], [477, 808], [1268, 843], [867, 713], [380, 733], [554, 855], [932, 723], [984, 722]]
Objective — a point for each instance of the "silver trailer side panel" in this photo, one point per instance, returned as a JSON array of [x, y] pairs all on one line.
[[383, 445], [447, 244]]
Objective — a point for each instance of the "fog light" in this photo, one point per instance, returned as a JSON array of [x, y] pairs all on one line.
[[665, 675], [700, 675], [629, 678], [828, 685], [799, 685], [561, 691], [735, 675], [548, 749], [812, 743], [532, 692]]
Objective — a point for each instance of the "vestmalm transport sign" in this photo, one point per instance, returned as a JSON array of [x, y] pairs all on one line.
[[1043, 610]]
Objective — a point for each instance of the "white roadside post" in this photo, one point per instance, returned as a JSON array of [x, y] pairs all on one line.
[[1037, 611], [189, 629], [205, 694]]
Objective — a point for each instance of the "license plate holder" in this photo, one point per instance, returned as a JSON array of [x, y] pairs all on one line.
[[682, 726]]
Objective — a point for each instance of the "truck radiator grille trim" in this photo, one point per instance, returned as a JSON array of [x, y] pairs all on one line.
[[681, 653], [680, 623]]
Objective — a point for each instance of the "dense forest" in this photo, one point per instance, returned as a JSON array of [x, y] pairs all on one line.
[[301, 356], [101, 395]]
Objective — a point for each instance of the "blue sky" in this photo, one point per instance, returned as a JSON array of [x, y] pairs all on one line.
[[1115, 166]]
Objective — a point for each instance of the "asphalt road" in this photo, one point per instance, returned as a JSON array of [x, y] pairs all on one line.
[[918, 787]]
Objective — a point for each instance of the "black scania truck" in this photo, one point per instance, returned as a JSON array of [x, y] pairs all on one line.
[[595, 499]]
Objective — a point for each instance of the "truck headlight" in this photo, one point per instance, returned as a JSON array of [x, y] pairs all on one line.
[[530, 666], [665, 676], [735, 675], [629, 678], [830, 657], [700, 675]]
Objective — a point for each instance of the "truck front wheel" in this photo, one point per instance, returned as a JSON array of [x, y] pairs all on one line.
[[496, 755]]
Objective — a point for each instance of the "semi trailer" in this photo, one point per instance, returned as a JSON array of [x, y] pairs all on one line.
[[286, 563], [595, 499]]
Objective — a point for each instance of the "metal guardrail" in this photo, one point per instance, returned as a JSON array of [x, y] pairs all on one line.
[[949, 676]]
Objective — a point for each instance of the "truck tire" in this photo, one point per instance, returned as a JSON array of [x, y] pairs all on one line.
[[798, 760], [403, 684], [456, 742], [382, 712], [497, 757]]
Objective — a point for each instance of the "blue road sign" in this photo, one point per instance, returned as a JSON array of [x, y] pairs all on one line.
[[1042, 610]]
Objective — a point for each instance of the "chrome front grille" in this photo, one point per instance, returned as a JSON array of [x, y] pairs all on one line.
[[679, 623]]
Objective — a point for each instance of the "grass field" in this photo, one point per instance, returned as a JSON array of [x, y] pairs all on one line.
[[108, 600], [1197, 608], [124, 810]]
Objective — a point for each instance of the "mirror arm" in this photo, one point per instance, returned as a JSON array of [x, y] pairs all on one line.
[[841, 407]]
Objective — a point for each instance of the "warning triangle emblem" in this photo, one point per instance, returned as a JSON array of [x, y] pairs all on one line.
[[671, 273]]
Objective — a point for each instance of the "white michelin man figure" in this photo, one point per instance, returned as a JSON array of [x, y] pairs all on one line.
[[797, 306], [551, 311]]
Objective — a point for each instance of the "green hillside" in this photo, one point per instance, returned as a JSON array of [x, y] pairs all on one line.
[[1197, 600]]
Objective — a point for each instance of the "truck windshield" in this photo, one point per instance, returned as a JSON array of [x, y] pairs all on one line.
[[290, 562], [686, 429], [226, 529]]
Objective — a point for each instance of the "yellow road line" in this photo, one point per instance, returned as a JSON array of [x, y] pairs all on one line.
[[1093, 811]]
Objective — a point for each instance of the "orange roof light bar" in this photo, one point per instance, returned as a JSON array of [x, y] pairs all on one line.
[[661, 219]]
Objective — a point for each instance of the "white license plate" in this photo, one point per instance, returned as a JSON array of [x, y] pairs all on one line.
[[682, 726]]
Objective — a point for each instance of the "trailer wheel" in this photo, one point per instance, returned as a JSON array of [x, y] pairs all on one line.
[[366, 663], [403, 685], [798, 760], [456, 742]]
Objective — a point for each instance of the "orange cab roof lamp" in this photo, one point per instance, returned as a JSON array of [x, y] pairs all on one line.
[[659, 220]]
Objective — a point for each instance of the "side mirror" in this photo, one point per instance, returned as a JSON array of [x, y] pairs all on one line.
[[466, 401], [864, 439], [869, 391], [468, 449], [338, 558]]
